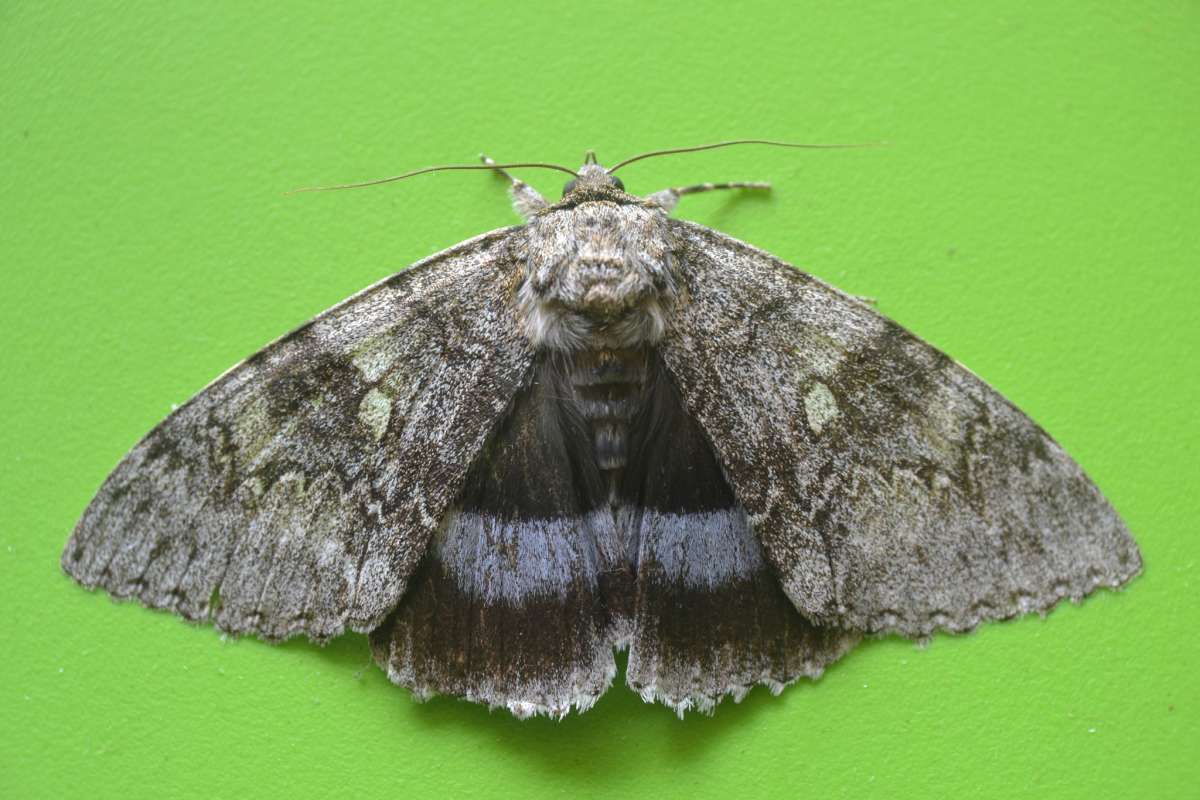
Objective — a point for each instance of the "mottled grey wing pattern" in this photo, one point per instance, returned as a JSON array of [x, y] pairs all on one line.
[[892, 490], [297, 493]]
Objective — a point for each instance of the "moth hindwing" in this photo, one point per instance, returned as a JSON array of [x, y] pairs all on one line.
[[604, 428]]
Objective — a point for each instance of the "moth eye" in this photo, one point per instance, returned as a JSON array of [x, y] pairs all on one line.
[[570, 187], [617, 182]]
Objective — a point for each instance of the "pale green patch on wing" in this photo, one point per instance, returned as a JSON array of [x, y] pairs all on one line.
[[820, 407], [376, 355], [375, 411], [254, 429]]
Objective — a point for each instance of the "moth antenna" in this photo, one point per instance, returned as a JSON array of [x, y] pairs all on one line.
[[440, 168], [697, 148]]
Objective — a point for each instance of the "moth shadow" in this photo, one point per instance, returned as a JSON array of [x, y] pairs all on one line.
[[721, 213], [590, 749], [349, 652]]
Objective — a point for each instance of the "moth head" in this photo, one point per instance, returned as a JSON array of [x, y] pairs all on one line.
[[592, 179]]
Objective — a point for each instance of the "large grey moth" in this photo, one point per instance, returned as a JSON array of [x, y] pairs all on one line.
[[604, 428]]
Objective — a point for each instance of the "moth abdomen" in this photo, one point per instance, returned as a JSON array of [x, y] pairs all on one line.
[[608, 392], [609, 439], [608, 367]]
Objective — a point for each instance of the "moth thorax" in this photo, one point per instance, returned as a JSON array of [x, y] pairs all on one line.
[[552, 326], [598, 275]]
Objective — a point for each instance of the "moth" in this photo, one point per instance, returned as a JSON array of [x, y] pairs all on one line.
[[603, 428]]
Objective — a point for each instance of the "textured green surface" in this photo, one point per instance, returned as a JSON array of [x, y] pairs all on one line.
[[1036, 216]]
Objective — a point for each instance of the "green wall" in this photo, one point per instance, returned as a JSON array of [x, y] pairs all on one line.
[[1036, 215]]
